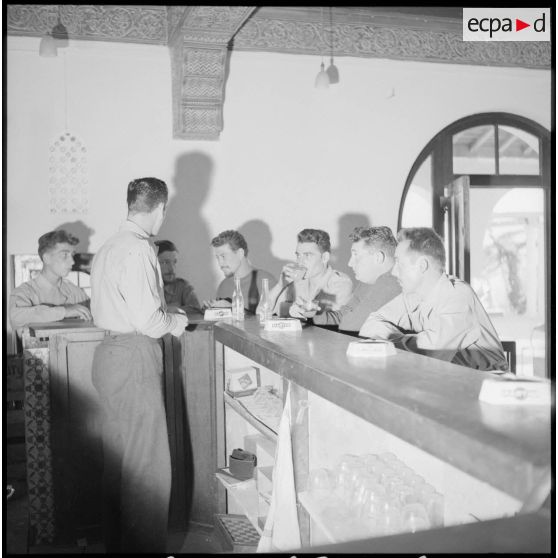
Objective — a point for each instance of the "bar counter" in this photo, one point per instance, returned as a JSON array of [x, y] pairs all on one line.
[[427, 402]]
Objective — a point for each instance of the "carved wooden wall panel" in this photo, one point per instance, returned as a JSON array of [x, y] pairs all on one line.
[[138, 24], [199, 53]]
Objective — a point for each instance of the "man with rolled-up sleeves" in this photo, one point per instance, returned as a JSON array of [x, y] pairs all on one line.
[[127, 300]]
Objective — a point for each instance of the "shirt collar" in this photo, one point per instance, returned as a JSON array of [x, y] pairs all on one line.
[[133, 227], [44, 284], [440, 286]]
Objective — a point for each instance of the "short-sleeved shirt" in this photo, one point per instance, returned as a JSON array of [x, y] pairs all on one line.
[[331, 290], [38, 300], [366, 298], [249, 284], [180, 293], [450, 324]]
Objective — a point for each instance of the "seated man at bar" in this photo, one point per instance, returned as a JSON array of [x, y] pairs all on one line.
[[311, 281], [371, 260], [231, 251], [50, 297], [179, 294], [436, 315]]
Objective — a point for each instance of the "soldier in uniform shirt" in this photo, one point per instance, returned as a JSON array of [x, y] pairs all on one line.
[[311, 280], [436, 315], [50, 297], [179, 294]]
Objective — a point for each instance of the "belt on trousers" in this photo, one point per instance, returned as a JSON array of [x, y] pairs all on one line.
[[113, 333], [132, 335]]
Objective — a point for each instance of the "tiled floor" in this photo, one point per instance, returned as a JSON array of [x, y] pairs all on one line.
[[198, 540]]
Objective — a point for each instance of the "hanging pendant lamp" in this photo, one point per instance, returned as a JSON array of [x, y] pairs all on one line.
[[322, 79], [332, 71], [57, 38], [47, 46]]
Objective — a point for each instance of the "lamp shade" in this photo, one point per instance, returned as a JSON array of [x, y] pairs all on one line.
[[333, 72], [322, 79], [47, 46], [60, 33]]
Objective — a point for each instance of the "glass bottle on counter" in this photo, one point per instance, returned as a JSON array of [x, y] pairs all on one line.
[[264, 306], [237, 302]]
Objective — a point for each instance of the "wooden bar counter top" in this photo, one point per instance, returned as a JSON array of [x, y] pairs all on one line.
[[427, 402]]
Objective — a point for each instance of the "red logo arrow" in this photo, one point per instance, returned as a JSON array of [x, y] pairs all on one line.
[[519, 25]]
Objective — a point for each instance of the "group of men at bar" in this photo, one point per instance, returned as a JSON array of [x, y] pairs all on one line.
[[402, 294]]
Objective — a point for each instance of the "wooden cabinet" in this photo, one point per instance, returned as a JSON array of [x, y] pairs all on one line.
[[63, 432]]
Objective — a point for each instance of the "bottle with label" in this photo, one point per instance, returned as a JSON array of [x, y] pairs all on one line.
[[264, 307], [237, 301]]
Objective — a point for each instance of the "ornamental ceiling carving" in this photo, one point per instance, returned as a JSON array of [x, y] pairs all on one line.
[[199, 37]]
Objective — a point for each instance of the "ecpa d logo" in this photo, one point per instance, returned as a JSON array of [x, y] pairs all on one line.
[[506, 24]]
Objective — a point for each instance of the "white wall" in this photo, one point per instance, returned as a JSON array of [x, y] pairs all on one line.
[[289, 157]]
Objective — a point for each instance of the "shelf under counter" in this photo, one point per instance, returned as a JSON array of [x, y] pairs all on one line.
[[426, 402], [246, 495], [259, 425]]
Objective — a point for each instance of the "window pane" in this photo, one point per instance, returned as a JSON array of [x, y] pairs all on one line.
[[507, 268], [473, 151], [518, 151], [417, 209]]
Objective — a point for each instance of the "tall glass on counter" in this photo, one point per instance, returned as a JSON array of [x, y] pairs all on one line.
[[237, 302], [264, 307]]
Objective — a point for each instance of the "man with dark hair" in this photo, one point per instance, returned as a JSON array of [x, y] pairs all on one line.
[[436, 315], [50, 297], [372, 260], [311, 281], [127, 300], [231, 252], [179, 294]]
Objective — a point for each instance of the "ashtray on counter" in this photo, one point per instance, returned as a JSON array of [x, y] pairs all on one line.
[[283, 324], [371, 348], [214, 314]]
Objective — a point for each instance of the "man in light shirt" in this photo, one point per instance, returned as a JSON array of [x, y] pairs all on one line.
[[311, 280], [436, 315], [371, 260], [179, 294], [231, 252], [50, 297], [127, 299]]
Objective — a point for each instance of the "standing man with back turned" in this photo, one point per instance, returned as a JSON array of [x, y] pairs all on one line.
[[127, 299]]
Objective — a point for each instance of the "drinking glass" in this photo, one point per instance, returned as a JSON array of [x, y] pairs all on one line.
[[320, 483], [389, 457], [389, 518], [434, 503], [414, 517]]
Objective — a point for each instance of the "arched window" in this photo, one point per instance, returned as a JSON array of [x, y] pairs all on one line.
[[502, 161]]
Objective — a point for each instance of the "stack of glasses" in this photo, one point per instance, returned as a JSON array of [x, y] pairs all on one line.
[[375, 495]]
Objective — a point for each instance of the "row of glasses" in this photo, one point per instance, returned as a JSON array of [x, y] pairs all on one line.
[[380, 493]]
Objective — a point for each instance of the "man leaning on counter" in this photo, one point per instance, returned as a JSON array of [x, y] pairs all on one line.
[[50, 297], [436, 315]]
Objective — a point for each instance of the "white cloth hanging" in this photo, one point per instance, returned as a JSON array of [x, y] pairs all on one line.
[[281, 531]]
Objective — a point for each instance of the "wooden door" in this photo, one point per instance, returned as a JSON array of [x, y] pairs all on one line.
[[455, 204]]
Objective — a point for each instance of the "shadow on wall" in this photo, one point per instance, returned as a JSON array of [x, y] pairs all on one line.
[[340, 256], [184, 224], [258, 237], [81, 231]]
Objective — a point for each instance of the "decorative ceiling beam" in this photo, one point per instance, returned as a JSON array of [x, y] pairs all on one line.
[[136, 24], [200, 40], [370, 32], [362, 32]]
